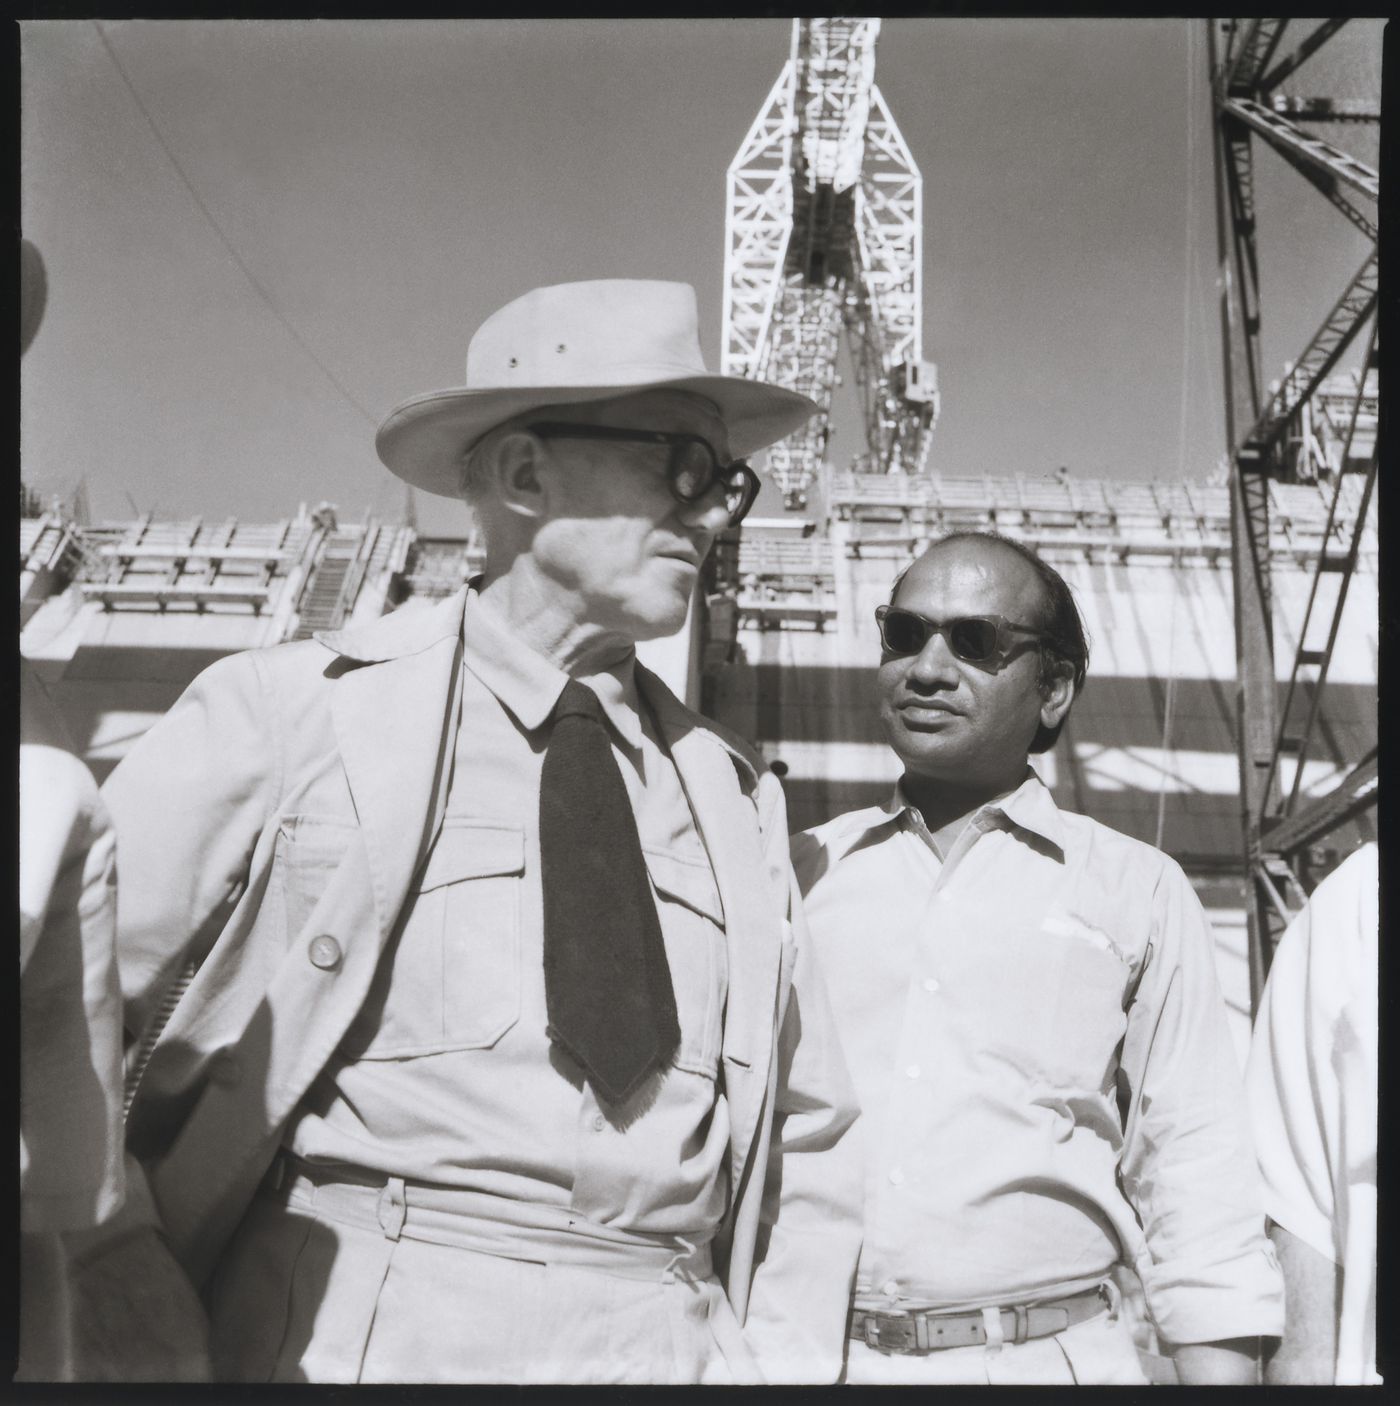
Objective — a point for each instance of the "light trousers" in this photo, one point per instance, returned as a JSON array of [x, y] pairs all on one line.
[[322, 1287]]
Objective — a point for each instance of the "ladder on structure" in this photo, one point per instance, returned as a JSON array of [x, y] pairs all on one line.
[[41, 542], [334, 580]]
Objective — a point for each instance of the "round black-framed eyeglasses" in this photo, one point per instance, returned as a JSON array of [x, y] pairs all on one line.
[[692, 467]]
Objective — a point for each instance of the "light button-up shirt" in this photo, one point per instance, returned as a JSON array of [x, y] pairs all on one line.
[[1039, 1045], [447, 1075]]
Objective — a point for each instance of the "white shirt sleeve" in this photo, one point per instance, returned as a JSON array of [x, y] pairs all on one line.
[[1297, 1071], [1311, 1083]]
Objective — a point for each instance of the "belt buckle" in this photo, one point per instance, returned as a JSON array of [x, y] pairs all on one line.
[[892, 1333]]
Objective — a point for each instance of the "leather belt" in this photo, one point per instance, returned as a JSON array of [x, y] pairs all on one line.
[[933, 1331]]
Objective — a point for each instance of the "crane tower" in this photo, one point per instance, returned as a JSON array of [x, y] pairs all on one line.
[[1276, 436], [823, 232]]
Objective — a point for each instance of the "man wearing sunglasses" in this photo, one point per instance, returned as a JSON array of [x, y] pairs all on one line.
[[491, 1067], [1028, 1003]]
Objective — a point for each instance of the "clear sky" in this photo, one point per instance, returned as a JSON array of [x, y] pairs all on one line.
[[389, 184]]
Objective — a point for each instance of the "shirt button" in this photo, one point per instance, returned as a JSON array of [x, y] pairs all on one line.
[[598, 1122], [931, 983], [890, 1286], [912, 1071], [897, 1177], [324, 952]]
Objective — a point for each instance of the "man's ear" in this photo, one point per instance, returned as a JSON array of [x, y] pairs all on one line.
[[515, 467], [1057, 695]]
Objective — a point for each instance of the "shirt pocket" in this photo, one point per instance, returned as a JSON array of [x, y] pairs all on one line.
[[692, 926], [451, 979], [1059, 1011]]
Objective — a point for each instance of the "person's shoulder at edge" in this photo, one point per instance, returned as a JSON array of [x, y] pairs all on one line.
[[817, 848], [1356, 877]]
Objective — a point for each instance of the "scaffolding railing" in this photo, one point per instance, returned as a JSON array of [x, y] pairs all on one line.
[[189, 564], [1166, 519]]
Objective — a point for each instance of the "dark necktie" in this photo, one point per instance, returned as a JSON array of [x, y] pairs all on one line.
[[607, 985]]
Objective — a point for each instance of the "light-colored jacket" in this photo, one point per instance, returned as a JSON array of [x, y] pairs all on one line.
[[70, 1009], [359, 726]]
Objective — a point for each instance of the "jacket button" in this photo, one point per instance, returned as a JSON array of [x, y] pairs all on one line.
[[325, 952], [225, 1070]]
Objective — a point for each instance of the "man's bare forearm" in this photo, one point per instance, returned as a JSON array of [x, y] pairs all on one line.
[[1307, 1355], [1231, 1363], [136, 1316]]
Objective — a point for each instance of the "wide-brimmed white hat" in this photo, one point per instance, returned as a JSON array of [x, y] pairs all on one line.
[[570, 343]]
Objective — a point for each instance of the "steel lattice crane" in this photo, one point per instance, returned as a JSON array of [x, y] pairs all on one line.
[[1270, 430], [823, 230]]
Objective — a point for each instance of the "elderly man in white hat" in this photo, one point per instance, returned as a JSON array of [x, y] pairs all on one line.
[[505, 1059]]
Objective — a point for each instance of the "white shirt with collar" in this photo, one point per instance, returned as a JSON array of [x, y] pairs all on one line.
[[1038, 1041]]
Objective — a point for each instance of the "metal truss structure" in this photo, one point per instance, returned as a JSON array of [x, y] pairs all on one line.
[[1313, 424], [822, 233]]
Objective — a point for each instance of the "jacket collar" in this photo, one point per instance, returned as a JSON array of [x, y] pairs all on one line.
[[525, 682], [674, 718], [730, 832], [400, 633]]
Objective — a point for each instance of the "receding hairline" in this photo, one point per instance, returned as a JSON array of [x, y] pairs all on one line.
[[972, 542]]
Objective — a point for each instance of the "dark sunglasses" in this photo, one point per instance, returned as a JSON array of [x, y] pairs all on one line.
[[692, 468], [975, 639]]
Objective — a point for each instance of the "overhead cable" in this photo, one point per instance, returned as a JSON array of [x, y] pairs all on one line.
[[1188, 286], [233, 253]]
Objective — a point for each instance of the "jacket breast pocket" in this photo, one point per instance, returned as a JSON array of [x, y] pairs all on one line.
[[692, 925], [310, 849], [451, 977]]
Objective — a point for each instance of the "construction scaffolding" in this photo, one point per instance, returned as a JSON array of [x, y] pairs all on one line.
[[119, 617], [1312, 425]]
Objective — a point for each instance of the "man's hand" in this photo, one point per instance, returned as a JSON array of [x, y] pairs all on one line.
[[136, 1317], [1230, 1363]]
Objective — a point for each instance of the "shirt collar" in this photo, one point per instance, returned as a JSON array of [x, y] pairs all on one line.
[[1029, 807], [526, 683]]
